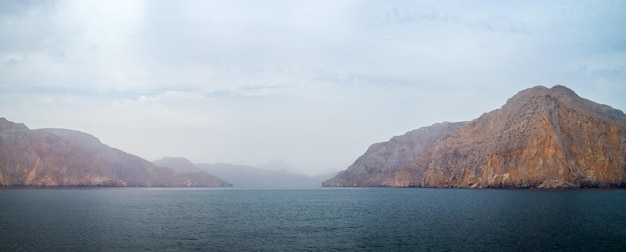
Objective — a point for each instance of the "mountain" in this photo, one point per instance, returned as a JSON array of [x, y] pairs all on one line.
[[246, 176], [382, 159], [541, 138], [177, 164], [60, 157], [253, 177]]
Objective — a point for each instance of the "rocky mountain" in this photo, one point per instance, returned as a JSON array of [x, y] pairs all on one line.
[[382, 159], [542, 137], [60, 157]]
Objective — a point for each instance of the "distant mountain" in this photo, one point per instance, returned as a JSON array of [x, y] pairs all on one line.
[[177, 164], [247, 176], [60, 157], [542, 137]]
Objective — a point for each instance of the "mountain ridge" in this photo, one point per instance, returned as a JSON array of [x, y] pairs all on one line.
[[541, 137], [61, 157]]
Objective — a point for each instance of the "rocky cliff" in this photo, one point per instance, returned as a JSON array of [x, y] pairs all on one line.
[[381, 160], [544, 138], [59, 157]]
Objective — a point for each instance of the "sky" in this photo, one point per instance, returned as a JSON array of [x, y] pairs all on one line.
[[307, 83]]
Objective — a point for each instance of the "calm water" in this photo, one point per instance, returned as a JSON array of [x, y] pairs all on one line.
[[363, 219]]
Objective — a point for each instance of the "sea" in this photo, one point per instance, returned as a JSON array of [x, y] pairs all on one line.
[[319, 219]]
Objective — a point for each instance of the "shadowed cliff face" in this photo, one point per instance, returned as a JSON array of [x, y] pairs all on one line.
[[58, 157], [544, 138]]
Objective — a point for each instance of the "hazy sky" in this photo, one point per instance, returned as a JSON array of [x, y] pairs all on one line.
[[311, 83]]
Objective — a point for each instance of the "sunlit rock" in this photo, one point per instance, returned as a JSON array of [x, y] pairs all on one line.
[[541, 138]]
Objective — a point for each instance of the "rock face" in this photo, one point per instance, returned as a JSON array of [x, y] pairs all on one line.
[[543, 138], [381, 160], [59, 157]]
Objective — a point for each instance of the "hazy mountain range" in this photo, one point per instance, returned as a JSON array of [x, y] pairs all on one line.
[[542, 137], [269, 176]]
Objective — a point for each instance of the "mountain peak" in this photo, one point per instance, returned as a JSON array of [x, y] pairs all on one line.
[[556, 91], [563, 90], [8, 125]]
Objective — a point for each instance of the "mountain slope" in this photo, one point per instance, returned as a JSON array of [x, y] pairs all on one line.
[[177, 164], [59, 157], [382, 159], [545, 138]]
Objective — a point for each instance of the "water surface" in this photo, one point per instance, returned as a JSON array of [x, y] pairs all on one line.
[[328, 219]]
